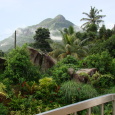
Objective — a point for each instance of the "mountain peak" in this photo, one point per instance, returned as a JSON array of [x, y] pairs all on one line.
[[25, 35], [59, 18]]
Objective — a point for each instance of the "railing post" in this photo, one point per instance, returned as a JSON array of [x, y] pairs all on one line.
[[113, 102], [89, 111], [113, 107], [102, 109]]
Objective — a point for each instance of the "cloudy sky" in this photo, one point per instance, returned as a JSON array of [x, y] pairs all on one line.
[[22, 13]]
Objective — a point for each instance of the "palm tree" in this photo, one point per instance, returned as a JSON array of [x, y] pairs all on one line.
[[70, 45], [93, 17]]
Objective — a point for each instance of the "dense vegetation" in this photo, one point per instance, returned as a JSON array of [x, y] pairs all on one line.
[[26, 90]]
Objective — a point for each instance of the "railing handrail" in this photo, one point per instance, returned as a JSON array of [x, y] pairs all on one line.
[[82, 105]]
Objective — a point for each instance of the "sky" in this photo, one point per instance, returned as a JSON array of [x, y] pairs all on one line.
[[22, 13]]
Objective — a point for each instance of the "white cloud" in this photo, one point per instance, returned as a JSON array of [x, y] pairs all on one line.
[[56, 38]]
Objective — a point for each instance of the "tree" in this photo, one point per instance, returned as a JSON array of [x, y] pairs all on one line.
[[93, 17], [70, 45], [104, 33], [41, 37]]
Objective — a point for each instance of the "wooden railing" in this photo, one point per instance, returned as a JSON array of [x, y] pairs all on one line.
[[87, 104]]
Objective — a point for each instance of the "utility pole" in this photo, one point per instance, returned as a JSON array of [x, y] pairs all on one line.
[[15, 40]]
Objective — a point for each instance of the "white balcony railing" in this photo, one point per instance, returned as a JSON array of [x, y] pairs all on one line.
[[87, 104]]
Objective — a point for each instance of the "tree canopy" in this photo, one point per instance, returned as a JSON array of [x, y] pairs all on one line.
[[41, 37], [93, 17]]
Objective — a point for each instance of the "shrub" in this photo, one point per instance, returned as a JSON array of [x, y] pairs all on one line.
[[59, 74], [23, 105], [3, 109], [19, 67], [103, 62], [29, 87], [69, 60], [87, 91], [107, 45], [47, 88], [47, 83], [59, 71], [106, 81], [74, 92], [102, 82], [69, 91], [2, 91], [111, 90], [2, 87]]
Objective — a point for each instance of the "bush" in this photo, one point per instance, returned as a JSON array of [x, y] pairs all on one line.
[[24, 105], [106, 81], [59, 71], [19, 68], [59, 74], [102, 82], [74, 92], [103, 62], [3, 109], [86, 92], [47, 83], [111, 90], [47, 88], [108, 45], [2, 87], [69, 60]]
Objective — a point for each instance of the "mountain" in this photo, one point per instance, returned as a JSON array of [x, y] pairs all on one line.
[[25, 35]]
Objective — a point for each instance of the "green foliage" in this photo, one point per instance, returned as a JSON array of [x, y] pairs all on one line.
[[59, 74], [106, 81], [110, 45], [47, 83], [92, 28], [103, 62], [42, 34], [108, 108], [2, 87], [101, 46], [94, 79], [47, 88], [3, 109], [92, 35], [102, 82], [81, 35], [87, 91], [93, 17], [104, 33], [2, 91], [69, 60], [111, 90], [70, 45], [24, 105], [74, 92], [29, 87], [70, 91], [84, 74], [59, 71], [19, 68]]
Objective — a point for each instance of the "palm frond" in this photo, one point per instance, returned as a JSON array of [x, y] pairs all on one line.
[[86, 14]]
